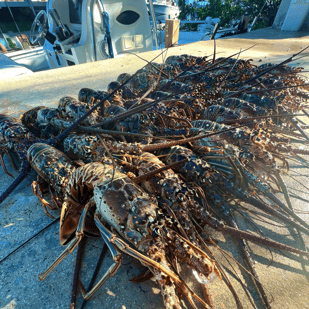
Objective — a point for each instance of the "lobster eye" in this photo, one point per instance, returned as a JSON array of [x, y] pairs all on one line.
[[155, 232], [84, 93], [113, 86], [34, 115]]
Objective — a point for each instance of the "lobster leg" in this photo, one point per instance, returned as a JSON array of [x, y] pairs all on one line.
[[117, 257], [123, 246], [72, 244], [37, 191], [2, 149], [156, 267], [168, 291], [142, 277], [4, 167]]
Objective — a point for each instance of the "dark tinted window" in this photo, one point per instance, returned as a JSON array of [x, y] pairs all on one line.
[[127, 17], [75, 7]]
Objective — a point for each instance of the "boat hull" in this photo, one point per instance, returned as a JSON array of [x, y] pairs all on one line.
[[33, 59], [164, 12]]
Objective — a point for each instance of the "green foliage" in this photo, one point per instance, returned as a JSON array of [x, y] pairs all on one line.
[[189, 27], [259, 25], [10, 26], [226, 11], [11, 44], [231, 10], [184, 10]]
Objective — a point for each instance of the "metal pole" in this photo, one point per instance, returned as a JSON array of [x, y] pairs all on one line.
[[106, 26], [15, 23], [31, 7], [92, 31], [154, 22]]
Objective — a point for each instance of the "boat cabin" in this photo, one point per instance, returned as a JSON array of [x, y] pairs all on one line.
[[80, 31]]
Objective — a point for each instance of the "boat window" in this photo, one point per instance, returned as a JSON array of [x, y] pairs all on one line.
[[127, 17], [75, 8]]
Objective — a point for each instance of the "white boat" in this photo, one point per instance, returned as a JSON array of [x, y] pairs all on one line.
[[81, 31], [164, 9]]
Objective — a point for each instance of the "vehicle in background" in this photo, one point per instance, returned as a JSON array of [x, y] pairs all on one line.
[[164, 9]]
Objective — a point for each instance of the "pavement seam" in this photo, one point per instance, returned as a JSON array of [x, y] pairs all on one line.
[[32, 237]]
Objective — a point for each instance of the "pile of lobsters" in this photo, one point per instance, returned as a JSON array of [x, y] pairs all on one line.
[[162, 154]]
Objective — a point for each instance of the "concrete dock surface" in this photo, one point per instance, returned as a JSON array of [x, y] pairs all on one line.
[[29, 240]]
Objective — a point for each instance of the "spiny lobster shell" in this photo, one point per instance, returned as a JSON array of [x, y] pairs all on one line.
[[122, 203], [50, 163]]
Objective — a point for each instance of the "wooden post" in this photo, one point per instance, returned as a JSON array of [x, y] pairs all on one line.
[[171, 32], [2, 48]]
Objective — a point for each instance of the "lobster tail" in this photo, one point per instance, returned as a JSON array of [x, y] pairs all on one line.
[[167, 285]]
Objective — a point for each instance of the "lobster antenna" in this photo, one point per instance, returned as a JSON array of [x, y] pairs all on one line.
[[264, 207], [242, 120], [24, 172], [236, 93], [222, 60], [78, 261], [117, 133], [277, 88], [255, 239], [184, 141], [96, 271], [135, 110], [178, 76], [218, 62], [229, 72], [147, 105], [76, 123], [149, 90], [67, 124], [148, 62], [215, 49], [290, 59], [159, 170]]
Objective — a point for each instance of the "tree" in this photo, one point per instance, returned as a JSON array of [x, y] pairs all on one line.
[[226, 11], [231, 10]]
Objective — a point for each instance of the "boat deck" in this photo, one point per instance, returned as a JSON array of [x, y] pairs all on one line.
[[29, 240]]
